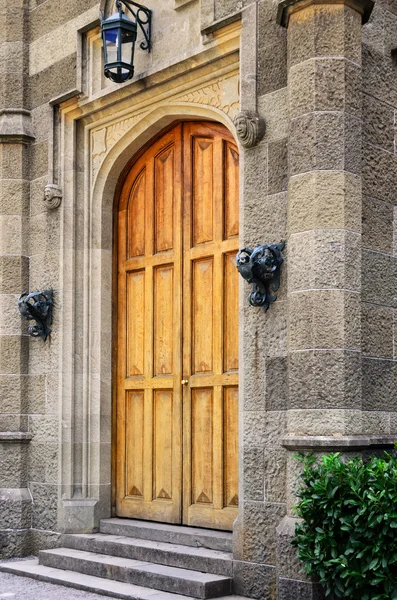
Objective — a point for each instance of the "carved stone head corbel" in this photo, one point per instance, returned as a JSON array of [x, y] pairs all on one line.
[[52, 195], [250, 128]]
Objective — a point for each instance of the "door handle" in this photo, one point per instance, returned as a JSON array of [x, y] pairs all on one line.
[[184, 381]]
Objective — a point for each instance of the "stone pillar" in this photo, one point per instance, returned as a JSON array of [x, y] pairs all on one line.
[[324, 242], [15, 135]]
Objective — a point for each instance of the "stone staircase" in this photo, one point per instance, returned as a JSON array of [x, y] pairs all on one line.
[[131, 559]]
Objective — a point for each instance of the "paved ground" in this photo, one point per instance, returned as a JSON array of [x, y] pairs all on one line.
[[13, 587]]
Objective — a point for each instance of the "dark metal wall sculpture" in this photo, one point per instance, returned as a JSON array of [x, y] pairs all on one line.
[[260, 266], [37, 306]]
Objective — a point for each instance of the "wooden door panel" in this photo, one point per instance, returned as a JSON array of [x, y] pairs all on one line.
[[149, 467], [134, 443], [163, 301], [135, 323], [231, 191], [164, 167], [202, 296], [230, 310], [230, 408], [168, 433], [210, 326]]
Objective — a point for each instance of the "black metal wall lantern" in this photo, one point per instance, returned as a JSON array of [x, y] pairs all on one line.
[[37, 306], [119, 35], [260, 266]]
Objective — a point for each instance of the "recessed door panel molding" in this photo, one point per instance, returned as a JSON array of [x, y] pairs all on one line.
[[177, 378], [136, 217], [164, 206], [136, 322], [163, 302]]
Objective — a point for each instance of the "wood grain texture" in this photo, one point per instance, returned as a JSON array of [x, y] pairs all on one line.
[[177, 445]]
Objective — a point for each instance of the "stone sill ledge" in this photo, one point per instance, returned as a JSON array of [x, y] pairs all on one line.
[[15, 436], [216, 25], [331, 443]]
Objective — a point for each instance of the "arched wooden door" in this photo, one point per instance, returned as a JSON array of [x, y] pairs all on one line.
[[177, 348]]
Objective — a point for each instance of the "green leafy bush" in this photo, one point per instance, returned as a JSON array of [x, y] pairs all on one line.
[[348, 536]]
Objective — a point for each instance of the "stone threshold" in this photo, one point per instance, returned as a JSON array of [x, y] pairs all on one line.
[[15, 437], [333, 443]]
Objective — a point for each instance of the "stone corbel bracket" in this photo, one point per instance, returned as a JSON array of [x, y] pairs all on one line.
[[52, 196], [260, 266], [250, 128], [37, 306]]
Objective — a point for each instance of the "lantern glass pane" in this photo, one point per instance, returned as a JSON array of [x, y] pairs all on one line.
[[127, 45], [111, 39]]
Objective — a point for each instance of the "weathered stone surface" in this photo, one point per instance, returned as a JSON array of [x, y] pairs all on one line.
[[14, 543], [277, 167], [15, 508], [290, 589], [378, 123], [254, 581], [10, 319], [277, 383], [43, 462], [18, 391], [14, 196], [379, 272], [377, 225], [329, 259], [276, 426], [38, 159], [51, 82], [288, 564], [45, 504], [325, 84], [253, 469], [324, 200], [379, 174], [13, 465], [376, 422], [377, 330], [379, 75], [326, 30], [14, 160], [379, 384], [45, 232], [254, 428], [330, 141], [260, 521], [324, 319], [275, 474], [273, 107], [324, 422], [324, 379], [13, 354], [12, 423], [14, 274], [272, 52], [273, 340]]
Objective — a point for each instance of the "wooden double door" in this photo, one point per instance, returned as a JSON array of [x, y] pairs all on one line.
[[177, 344]]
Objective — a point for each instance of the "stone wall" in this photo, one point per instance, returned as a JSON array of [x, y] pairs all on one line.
[[318, 369]]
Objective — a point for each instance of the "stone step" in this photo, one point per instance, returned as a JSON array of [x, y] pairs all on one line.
[[173, 534], [161, 553], [89, 583], [126, 570]]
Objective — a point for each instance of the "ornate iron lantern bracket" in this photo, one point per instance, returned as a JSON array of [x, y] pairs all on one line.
[[143, 18], [37, 306], [260, 266]]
